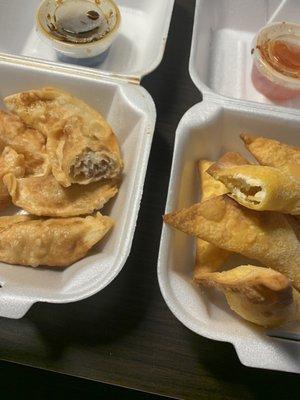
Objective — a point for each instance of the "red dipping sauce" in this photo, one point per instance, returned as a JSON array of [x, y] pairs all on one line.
[[276, 61]]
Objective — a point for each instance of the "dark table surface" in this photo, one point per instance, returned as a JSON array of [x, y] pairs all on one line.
[[126, 335]]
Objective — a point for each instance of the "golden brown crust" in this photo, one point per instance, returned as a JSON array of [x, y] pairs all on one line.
[[260, 295], [208, 256], [28, 142], [209, 187], [10, 162], [78, 137], [264, 236], [42, 195], [261, 187], [271, 152], [25, 240]]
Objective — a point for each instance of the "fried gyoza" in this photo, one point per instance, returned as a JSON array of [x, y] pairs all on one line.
[[23, 140], [271, 152], [209, 257], [260, 295], [10, 161], [25, 240], [260, 187], [82, 147], [42, 195], [266, 236]]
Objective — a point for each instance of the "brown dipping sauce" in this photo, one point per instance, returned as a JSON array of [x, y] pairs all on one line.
[[283, 56]]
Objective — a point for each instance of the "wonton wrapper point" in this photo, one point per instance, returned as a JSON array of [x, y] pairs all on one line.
[[266, 236], [271, 152]]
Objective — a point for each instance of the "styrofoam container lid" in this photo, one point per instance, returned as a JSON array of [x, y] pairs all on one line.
[[220, 60], [137, 50]]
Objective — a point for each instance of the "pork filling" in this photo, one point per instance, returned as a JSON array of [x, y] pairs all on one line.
[[95, 166]]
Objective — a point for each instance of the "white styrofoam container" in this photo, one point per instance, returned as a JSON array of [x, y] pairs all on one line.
[[221, 60], [131, 112], [112, 87], [208, 130], [220, 66], [137, 50]]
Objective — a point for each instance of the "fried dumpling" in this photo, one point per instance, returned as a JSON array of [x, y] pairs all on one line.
[[28, 142], [209, 258], [266, 236], [8, 221], [259, 295], [10, 162], [271, 152], [260, 187], [42, 195], [25, 240], [82, 147]]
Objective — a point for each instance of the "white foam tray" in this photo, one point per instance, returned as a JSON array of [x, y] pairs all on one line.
[[112, 87], [208, 130], [131, 112], [220, 66], [220, 59], [137, 50]]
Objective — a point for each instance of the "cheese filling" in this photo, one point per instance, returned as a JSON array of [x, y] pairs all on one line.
[[247, 189]]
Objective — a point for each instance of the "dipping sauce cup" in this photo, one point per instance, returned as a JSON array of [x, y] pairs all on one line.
[[78, 28], [276, 61]]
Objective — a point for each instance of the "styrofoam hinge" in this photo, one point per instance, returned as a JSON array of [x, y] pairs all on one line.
[[69, 69]]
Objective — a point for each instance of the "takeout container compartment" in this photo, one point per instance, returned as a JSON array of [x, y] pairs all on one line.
[[220, 66], [208, 130], [131, 112], [111, 86], [137, 50], [221, 61]]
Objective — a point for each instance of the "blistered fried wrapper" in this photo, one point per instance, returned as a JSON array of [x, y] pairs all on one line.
[[268, 236], [81, 145], [28, 240]]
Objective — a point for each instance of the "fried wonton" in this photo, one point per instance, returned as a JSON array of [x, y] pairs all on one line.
[[271, 152], [42, 195], [209, 257], [10, 161], [25, 240], [260, 187], [266, 236], [28, 142], [259, 295], [82, 147], [209, 187]]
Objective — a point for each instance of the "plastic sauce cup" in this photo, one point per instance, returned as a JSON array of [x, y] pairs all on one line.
[[276, 61]]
